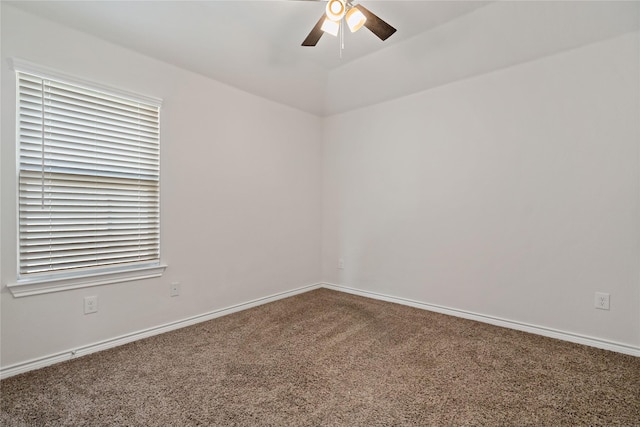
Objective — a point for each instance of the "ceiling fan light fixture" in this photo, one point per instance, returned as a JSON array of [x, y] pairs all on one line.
[[331, 27], [355, 16], [355, 19], [335, 9]]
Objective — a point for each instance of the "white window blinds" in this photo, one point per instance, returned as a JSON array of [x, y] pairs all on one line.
[[88, 178]]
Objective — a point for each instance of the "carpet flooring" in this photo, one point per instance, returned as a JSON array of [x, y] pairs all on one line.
[[325, 358]]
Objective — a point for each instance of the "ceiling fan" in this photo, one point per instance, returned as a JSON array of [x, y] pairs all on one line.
[[355, 16]]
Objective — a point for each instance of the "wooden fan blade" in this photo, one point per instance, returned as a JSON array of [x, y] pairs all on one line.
[[315, 34], [376, 25]]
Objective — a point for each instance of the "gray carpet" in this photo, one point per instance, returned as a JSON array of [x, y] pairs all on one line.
[[326, 358]]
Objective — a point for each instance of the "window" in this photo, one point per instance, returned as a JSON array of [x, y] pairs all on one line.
[[89, 182]]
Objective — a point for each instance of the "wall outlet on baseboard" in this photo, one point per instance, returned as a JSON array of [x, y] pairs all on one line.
[[90, 304], [340, 263], [602, 301], [174, 290]]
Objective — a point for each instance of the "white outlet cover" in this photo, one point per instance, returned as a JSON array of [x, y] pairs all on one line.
[[174, 290], [90, 304], [602, 300]]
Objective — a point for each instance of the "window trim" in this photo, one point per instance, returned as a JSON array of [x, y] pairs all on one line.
[[45, 285], [62, 281]]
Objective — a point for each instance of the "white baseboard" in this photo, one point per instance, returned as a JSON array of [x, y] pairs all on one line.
[[534, 329], [41, 362]]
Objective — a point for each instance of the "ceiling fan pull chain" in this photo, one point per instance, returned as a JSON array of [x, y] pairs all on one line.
[[341, 39]]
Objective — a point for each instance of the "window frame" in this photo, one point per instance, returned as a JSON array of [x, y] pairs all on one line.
[[55, 281]]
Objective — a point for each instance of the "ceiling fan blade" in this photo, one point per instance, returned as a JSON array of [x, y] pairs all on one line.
[[315, 34], [376, 25]]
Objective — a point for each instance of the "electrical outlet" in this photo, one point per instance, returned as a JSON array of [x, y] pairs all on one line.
[[341, 264], [90, 304], [174, 290], [602, 301]]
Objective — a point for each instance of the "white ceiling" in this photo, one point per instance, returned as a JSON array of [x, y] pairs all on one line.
[[255, 45]]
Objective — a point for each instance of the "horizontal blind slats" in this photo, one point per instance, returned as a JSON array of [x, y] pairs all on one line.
[[89, 178], [99, 236], [74, 112], [100, 98], [98, 144]]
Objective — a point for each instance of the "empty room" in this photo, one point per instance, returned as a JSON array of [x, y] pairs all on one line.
[[310, 213]]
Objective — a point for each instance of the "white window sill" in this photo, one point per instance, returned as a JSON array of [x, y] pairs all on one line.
[[44, 286]]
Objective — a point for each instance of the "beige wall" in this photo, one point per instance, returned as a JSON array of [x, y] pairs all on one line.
[[240, 196], [513, 194]]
